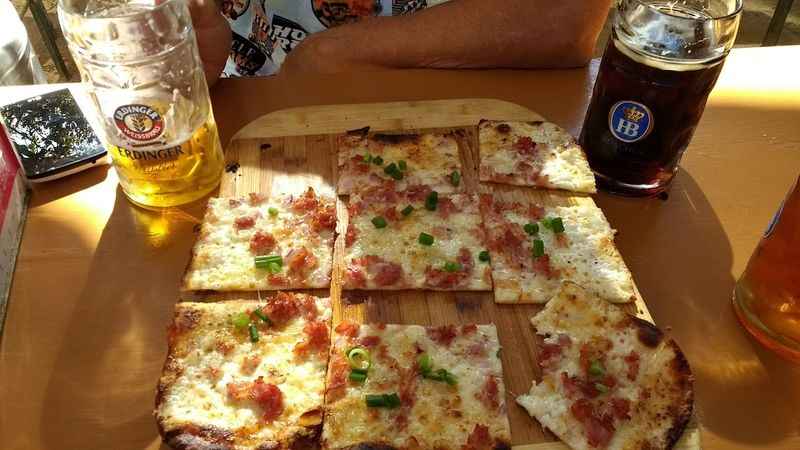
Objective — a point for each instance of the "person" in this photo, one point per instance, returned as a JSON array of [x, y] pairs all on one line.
[[339, 35]]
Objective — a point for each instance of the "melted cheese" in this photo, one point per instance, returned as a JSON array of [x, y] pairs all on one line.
[[222, 259], [399, 243], [430, 159], [442, 416], [197, 396]]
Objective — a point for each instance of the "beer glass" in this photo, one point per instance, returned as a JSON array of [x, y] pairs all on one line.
[[660, 64], [140, 64], [767, 296]]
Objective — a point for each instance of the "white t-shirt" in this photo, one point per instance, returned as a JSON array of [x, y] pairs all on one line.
[[265, 31]]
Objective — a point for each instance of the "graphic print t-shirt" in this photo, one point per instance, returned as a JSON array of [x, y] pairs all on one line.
[[265, 31]]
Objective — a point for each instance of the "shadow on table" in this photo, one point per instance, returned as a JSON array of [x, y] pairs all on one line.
[[102, 388], [737, 382]]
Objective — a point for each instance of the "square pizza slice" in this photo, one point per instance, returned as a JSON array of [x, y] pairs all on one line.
[[415, 387], [414, 240], [537, 154], [260, 243], [535, 247], [406, 160], [244, 374]]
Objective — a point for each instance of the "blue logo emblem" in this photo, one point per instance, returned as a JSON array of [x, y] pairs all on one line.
[[630, 121]]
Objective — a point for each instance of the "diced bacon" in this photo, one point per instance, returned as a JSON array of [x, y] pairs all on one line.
[[234, 202], [549, 352], [445, 207], [401, 422], [262, 242], [621, 408], [337, 381], [277, 280], [489, 393], [632, 359], [417, 192], [359, 165], [250, 363], [348, 329], [224, 347], [213, 373], [535, 212], [354, 208], [594, 350], [408, 387], [477, 349], [507, 239], [351, 235], [308, 306], [238, 391], [255, 198], [369, 341], [542, 265], [525, 146], [442, 335], [282, 308], [301, 260], [355, 277], [469, 329], [306, 202], [562, 240], [244, 222], [388, 273], [599, 431], [466, 260], [385, 194], [317, 338], [269, 397], [438, 278], [390, 213], [324, 218], [479, 439]]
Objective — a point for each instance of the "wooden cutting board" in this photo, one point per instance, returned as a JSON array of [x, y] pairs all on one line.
[[287, 150]]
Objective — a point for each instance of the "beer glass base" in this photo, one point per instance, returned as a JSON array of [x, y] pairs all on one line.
[[617, 187], [777, 344], [172, 201]]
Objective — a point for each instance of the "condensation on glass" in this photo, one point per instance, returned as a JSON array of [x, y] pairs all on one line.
[[140, 64]]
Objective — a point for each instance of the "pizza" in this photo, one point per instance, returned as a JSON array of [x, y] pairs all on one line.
[[609, 380], [537, 154], [533, 248], [260, 243], [414, 387], [415, 239], [405, 159], [244, 374]]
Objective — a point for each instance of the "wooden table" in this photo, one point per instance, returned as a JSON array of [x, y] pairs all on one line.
[[80, 355]]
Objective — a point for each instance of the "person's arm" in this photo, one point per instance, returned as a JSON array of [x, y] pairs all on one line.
[[213, 37], [461, 34]]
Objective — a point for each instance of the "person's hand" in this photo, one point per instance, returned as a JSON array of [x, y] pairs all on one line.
[[213, 37]]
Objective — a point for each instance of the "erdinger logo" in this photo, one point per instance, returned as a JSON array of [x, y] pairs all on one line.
[[339, 12], [630, 121], [139, 122]]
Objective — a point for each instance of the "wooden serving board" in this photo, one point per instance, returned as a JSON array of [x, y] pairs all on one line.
[[287, 150]]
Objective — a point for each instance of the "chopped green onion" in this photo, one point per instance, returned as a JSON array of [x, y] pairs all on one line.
[[484, 256], [253, 333], [393, 171], [455, 178], [359, 359], [441, 375], [602, 388], [382, 400], [596, 369], [425, 363], [358, 377], [450, 266], [431, 201], [260, 314], [367, 158], [269, 262], [538, 248], [379, 222], [272, 211], [425, 239], [377, 161], [273, 267], [407, 210], [531, 228], [402, 165], [240, 321], [557, 225]]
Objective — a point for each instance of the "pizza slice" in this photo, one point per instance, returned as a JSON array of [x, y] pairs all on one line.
[[537, 154], [534, 248], [414, 239], [414, 387], [405, 160], [244, 374], [260, 243], [609, 380]]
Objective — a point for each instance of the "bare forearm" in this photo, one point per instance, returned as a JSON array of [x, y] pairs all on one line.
[[473, 34]]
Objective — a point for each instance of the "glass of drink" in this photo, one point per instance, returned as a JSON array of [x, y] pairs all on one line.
[[140, 64], [767, 296], [658, 68]]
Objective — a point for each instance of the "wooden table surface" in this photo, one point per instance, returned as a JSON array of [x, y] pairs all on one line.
[[79, 355]]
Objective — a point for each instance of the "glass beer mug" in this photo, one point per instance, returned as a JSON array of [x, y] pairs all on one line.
[[660, 64], [140, 64]]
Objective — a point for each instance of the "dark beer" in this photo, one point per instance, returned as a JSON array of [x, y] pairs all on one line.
[[658, 68]]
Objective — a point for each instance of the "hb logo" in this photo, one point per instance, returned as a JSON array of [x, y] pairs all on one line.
[[630, 121]]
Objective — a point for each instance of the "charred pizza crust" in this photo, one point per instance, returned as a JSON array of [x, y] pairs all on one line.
[[539, 154], [609, 380], [221, 390]]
